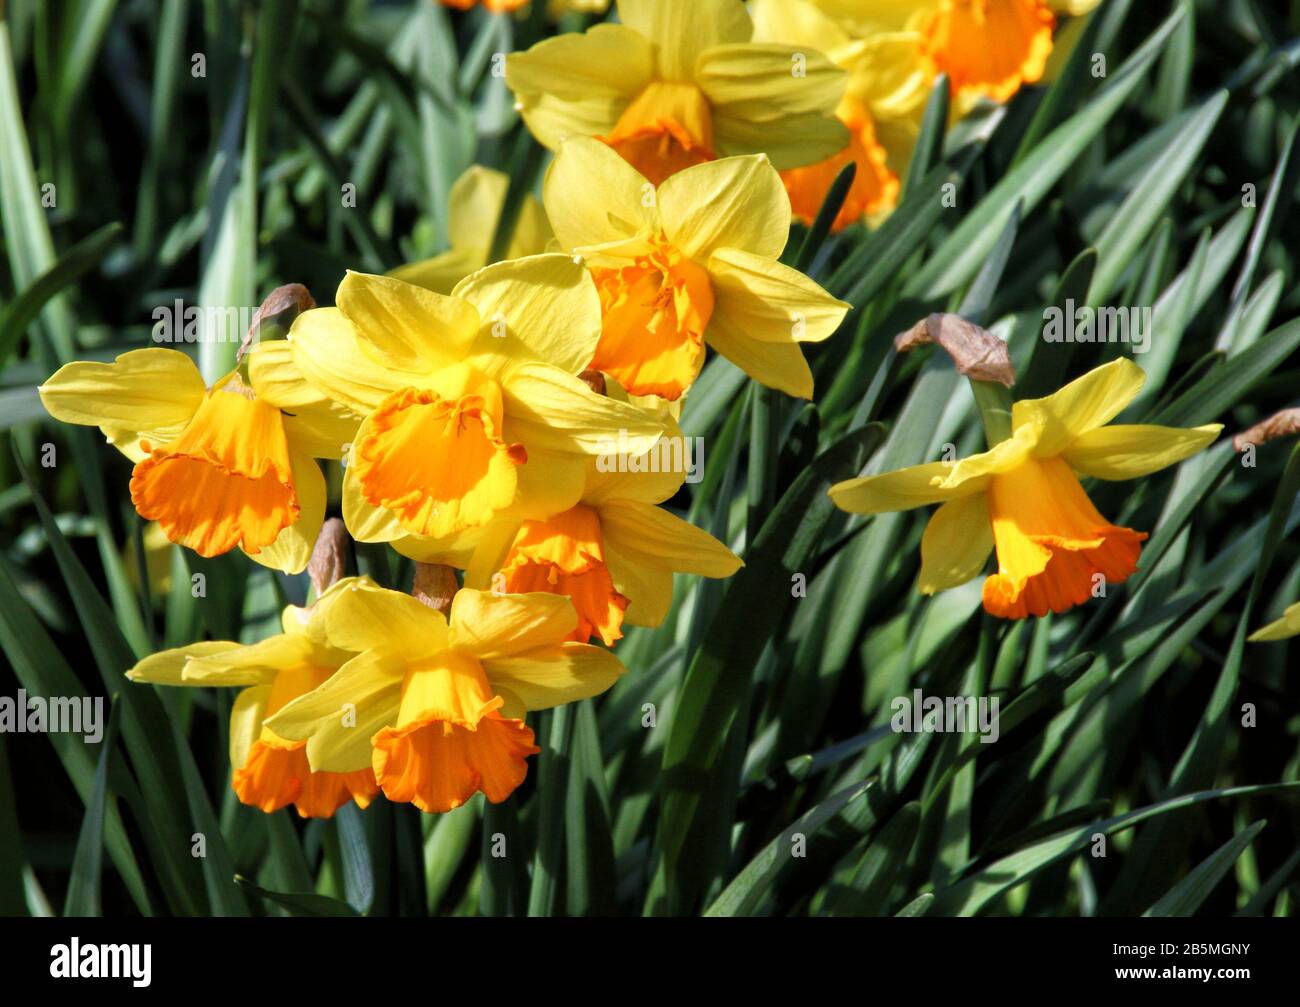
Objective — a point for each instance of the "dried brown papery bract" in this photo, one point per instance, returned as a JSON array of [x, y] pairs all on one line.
[[435, 585], [1282, 424], [288, 301], [329, 556], [978, 353]]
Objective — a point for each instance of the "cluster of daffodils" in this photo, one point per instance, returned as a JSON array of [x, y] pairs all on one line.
[[510, 425], [815, 84], [516, 423]]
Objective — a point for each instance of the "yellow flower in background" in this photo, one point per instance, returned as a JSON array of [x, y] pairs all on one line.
[[690, 262], [888, 83], [474, 206], [613, 553], [270, 772], [678, 84], [439, 701], [471, 402], [220, 467], [1023, 497], [494, 6], [1280, 629], [988, 47]]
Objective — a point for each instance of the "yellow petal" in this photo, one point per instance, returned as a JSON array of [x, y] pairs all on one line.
[[552, 676], [405, 326], [887, 75], [1073, 7], [246, 717], [366, 616], [339, 718], [576, 85], [142, 395], [1003, 457], [761, 299], [902, 489], [1086, 403], [737, 202], [682, 31], [777, 365], [650, 478], [550, 483], [648, 587], [167, 666], [1127, 452], [474, 208], [366, 522], [489, 625], [956, 544], [594, 197], [442, 272], [653, 536], [548, 303], [1280, 629], [760, 104], [552, 410], [315, 424], [797, 22], [328, 353], [254, 664], [292, 548]]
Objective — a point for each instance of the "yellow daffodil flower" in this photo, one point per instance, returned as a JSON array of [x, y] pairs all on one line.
[[988, 48], [492, 6], [1023, 497], [471, 402], [1280, 629], [217, 467], [888, 83], [613, 553], [677, 84], [270, 772], [690, 262], [439, 701], [474, 206]]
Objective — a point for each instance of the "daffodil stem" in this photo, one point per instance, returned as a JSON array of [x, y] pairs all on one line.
[[994, 402], [764, 450]]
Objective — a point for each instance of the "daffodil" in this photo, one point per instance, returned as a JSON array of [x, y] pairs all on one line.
[[492, 6], [1024, 499], [1280, 629], [988, 48], [269, 771], [689, 262], [220, 467], [436, 704], [677, 84], [471, 401], [474, 206], [613, 553], [888, 83]]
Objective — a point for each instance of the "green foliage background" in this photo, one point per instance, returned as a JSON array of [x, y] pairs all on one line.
[[770, 783]]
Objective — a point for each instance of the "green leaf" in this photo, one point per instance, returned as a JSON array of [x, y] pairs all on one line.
[[711, 693], [1186, 896], [962, 252], [299, 903], [83, 898], [75, 263]]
